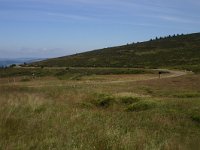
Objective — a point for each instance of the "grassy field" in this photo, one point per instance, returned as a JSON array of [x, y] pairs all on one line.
[[92, 113]]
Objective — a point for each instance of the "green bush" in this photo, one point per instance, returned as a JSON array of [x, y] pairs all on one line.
[[103, 100], [196, 118], [141, 106], [195, 115], [85, 105], [187, 95], [25, 80], [128, 100]]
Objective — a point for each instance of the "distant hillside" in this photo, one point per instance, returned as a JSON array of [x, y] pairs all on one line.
[[181, 51]]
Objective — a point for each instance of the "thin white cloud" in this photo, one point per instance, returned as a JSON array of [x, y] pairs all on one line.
[[69, 16], [104, 15], [118, 7], [177, 19]]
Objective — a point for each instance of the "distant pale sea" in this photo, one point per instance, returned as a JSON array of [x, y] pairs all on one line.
[[9, 61]]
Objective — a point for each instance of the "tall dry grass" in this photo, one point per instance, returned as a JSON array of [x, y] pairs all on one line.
[[72, 117]]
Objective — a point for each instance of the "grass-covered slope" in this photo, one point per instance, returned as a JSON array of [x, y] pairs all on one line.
[[182, 51]]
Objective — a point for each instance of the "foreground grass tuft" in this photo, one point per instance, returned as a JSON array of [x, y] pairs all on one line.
[[195, 115], [141, 106], [196, 118], [103, 100], [129, 100], [187, 95]]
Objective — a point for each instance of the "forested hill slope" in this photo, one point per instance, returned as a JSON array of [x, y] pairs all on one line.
[[181, 51]]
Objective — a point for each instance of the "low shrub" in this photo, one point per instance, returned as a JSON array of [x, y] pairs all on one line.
[[141, 106], [196, 118], [128, 100], [25, 80], [103, 100], [85, 105], [187, 95], [195, 115], [40, 109]]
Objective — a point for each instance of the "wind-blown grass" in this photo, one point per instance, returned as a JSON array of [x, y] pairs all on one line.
[[94, 116]]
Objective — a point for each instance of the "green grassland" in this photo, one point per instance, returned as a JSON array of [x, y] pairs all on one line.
[[98, 100], [181, 52], [50, 112]]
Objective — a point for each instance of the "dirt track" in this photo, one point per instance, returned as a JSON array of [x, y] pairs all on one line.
[[171, 74]]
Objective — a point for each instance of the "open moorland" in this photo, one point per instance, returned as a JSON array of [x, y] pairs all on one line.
[[99, 108], [105, 99]]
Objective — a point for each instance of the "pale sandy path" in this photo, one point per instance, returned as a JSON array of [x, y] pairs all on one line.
[[171, 74]]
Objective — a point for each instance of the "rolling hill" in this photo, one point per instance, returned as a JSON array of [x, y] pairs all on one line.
[[180, 51]]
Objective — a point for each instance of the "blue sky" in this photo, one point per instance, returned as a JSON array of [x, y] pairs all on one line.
[[51, 28]]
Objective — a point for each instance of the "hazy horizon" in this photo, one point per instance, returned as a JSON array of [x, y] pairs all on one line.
[[46, 29]]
